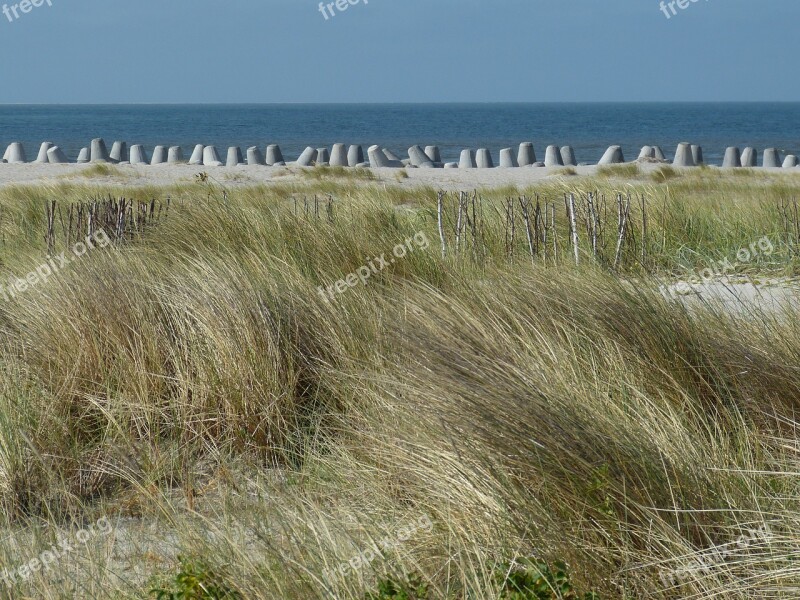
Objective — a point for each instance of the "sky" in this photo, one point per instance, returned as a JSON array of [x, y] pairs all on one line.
[[266, 51]]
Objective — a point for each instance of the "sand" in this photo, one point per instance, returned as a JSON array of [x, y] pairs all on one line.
[[243, 175]]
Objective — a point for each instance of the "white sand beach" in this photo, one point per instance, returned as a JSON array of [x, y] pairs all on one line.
[[245, 175]]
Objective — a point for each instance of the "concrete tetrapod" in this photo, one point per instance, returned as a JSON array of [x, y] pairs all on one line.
[[658, 153], [749, 157], [526, 155], [83, 156], [683, 156], [56, 156], [507, 158], [552, 157], [339, 155], [254, 156], [732, 158], [790, 161], [99, 152], [568, 156], [647, 152], [467, 160], [390, 155], [42, 156], [772, 158], [210, 157], [377, 158], [612, 156], [119, 152], [308, 156], [197, 155], [175, 155], [697, 154], [159, 155], [432, 152], [323, 157], [483, 159], [419, 158], [15, 153], [273, 155], [451, 165], [234, 158], [355, 155], [138, 155]]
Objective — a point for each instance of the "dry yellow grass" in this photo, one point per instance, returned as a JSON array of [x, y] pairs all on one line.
[[193, 387]]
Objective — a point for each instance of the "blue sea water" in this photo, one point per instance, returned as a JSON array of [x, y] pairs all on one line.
[[589, 128]]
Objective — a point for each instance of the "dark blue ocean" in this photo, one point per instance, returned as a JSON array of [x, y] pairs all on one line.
[[589, 128]]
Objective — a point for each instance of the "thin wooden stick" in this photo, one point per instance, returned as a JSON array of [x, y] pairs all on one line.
[[573, 226], [440, 210]]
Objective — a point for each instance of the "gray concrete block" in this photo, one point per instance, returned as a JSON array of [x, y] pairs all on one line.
[[254, 156], [732, 159], [355, 155], [526, 155], [16, 153], [683, 156], [568, 156], [483, 159], [419, 158], [507, 158], [339, 155], [56, 156], [612, 156], [308, 156], [772, 158], [234, 158], [323, 157], [432, 152], [273, 155], [175, 155], [159, 155], [750, 157], [197, 155], [99, 152], [552, 157], [138, 155], [119, 153], [467, 160], [211, 157], [697, 155], [42, 156]]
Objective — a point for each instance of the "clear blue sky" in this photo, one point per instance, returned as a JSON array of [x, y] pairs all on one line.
[[118, 51]]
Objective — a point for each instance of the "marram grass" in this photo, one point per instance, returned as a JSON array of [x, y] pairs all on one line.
[[439, 431]]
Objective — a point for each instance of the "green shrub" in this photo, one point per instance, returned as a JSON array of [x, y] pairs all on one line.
[[196, 581]]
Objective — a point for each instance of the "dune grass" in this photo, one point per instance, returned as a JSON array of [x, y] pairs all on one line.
[[435, 431], [623, 171], [101, 171], [343, 173]]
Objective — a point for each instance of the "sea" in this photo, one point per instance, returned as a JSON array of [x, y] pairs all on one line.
[[588, 127]]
